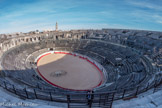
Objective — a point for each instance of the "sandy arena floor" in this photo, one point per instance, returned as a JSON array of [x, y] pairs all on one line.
[[69, 72]]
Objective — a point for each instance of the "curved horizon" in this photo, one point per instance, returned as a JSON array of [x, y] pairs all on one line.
[[31, 15]]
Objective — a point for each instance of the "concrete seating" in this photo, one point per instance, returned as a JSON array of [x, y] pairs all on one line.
[[124, 67]]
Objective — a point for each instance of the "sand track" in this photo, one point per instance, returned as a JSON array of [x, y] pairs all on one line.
[[69, 72]]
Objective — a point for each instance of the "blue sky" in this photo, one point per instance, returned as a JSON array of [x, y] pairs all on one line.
[[27, 15]]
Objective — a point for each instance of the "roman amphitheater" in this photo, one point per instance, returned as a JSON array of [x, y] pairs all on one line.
[[61, 66]]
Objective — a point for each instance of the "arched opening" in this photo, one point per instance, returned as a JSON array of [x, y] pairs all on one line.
[[56, 37]]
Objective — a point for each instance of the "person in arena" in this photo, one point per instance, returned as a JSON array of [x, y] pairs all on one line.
[[90, 97]]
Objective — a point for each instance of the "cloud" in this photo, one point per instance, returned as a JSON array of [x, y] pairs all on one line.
[[147, 16], [158, 18], [155, 5], [159, 21], [42, 14]]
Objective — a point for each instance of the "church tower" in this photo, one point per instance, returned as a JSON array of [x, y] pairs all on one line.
[[56, 28]]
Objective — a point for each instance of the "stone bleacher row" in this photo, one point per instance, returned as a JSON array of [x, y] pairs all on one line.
[[131, 71]]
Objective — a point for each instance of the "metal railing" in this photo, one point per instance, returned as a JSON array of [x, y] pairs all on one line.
[[103, 99]]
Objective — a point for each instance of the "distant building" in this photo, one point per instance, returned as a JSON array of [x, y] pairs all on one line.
[[56, 28]]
